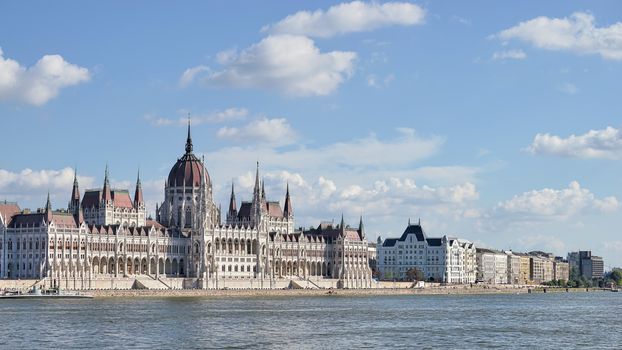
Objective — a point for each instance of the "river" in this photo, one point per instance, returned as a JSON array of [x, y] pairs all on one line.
[[535, 321]]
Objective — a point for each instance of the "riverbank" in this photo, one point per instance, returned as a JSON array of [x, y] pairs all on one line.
[[244, 293]]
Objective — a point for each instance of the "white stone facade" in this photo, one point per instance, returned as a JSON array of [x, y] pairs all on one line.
[[106, 241], [492, 266], [446, 259]]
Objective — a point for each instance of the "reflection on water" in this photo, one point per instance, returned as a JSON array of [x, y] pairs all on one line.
[[555, 320]]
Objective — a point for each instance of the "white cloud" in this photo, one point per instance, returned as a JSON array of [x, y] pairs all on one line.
[[509, 54], [264, 131], [547, 204], [568, 88], [340, 158], [606, 143], [289, 64], [577, 33], [40, 83], [229, 114], [541, 242], [189, 74], [349, 17], [29, 184], [374, 81]]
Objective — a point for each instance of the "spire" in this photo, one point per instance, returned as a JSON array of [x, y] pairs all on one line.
[[74, 203], [107, 195], [342, 226], [256, 189], [361, 228], [288, 211], [48, 209], [263, 189], [233, 209], [48, 204], [189, 139], [138, 195]]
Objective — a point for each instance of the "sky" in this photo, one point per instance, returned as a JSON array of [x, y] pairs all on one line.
[[497, 122]]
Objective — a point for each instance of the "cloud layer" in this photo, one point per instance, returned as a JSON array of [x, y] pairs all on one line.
[[349, 17], [605, 143], [229, 114], [262, 131], [40, 83], [577, 33], [30, 184], [289, 64], [555, 204], [509, 54]]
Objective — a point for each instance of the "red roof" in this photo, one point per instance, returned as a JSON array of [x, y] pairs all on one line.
[[122, 199], [274, 209], [64, 219], [187, 170], [7, 210], [154, 223]]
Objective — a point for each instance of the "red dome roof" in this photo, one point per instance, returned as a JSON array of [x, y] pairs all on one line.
[[187, 170]]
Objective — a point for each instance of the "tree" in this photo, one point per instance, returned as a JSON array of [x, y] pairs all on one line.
[[616, 276], [414, 274]]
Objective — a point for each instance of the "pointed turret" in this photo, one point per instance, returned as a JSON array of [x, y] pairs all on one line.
[[342, 226], [361, 229], [74, 202], [48, 209], [107, 194], [233, 208], [188, 140], [263, 190], [287, 210], [256, 206], [138, 194]]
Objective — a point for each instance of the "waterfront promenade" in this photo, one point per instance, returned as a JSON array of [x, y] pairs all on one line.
[[444, 290]]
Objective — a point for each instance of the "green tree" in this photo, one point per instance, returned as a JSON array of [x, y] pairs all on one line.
[[616, 276], [414, 274]]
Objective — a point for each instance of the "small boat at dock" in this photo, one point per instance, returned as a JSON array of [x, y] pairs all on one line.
[[36, 293]]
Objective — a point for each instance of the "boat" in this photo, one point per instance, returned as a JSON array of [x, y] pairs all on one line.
[[36, 293]]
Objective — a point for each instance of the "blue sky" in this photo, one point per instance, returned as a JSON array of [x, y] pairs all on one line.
[[494, 121]]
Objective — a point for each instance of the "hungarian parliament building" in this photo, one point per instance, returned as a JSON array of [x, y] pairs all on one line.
[[105, 240]]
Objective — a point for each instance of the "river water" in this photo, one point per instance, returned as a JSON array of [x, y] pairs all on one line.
[[532, 321]]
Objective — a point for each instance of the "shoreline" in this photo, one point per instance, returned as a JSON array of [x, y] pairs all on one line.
[[259, 293]]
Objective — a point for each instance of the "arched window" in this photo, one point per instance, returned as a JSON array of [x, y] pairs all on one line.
[[188, 218]]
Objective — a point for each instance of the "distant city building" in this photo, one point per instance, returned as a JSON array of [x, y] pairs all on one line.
[[542, 269], [445, 259], [562, 269], [587, 265], [492, 266], [513, 268], [372, 253]]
